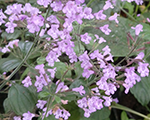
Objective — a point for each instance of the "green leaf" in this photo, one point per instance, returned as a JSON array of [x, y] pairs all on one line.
[[147, 116], [141, 91], [10, 36], [43, 94], [130, 7], [58, 99], [8, 64], [41, 60], [124, 116], [21, 99], [78, 48], [6, 105], [61, 69], [24, 47]]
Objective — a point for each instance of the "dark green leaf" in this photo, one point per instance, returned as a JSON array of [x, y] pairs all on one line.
[[6, 105], [10, 36], [8, 64], [24, 47], [21, 99], [124, 116], [141, 91]]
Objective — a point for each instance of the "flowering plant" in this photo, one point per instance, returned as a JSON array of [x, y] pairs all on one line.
[[65, 51]]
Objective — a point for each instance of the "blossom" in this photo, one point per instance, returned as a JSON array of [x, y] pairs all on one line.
[[101, 39], [140, 56], [53, 19], [27, 81], [45, 3], [10, 27], [88, 13], [53, 31], [79, 89], [100, 15], [16, 118], [142, 69], [52, 71], [49, 112], [86, 73], [32, 10], [57, 6], [28, 116], [41, 104], [85, 38], [114, 17], [78, 2], [105, 29], [65, 114], [107, 5], [58, 113], [108, 101], [148, 20], [2, 16], [40, 68], [138, 29]]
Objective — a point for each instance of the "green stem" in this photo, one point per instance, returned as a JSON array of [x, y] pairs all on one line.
[[128, 14], [146, 8], [90, 3], [117, 106]]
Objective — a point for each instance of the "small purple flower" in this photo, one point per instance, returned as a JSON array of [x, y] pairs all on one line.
[[65, 114], [32, 10], [142, 69], [88, 13], [58, 114], [148, 20], [52, 72], [108, 101], [45, 3], [57, 6], [16, 118], [140, 56], [101, 39], [2, 16], [28, 116], [10, 27], [86, 73], [40, 68], [107, 5], [53, 31], [85, 38], [114, 17], [41, 104], [105, 29], [50, 112], [100, 15], [53, 19], [82, 103], [27, 81], [79, 89], [78, 2], [138, 29]]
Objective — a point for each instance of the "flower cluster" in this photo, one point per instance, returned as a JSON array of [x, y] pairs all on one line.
[[58, 35]]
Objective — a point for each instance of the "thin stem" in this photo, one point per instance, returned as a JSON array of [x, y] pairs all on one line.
[[117, 106], [128, 14], [90, 3], [146, 8]]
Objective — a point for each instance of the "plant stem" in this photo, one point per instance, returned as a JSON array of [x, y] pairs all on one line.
[[90, 3], [146, 8], [117, 106]]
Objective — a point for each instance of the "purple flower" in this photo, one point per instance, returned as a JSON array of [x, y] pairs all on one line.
[[82, 103], [84, 57], [107, 50], [14, 9], [142, 69], [114, 17], [2, 16], [78, 2], [107, 5], [79, 89], [138, 29], [86, 73], [105, 29], [10, 27], [16, 118], [65, 114], [45, 3], [87, 113], [32, 10], [34, 23], [53, 32], [61, 87], [40, 68], [27, 81], [108, 101], [85, 38], [148, 20], [41, 104], [58, 113], [28, 116], [53, 19], [52, 72], [101, 39], [139, 2], [100, 15], [48, 113], [140, 56], [57, 6], [88, 13]]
